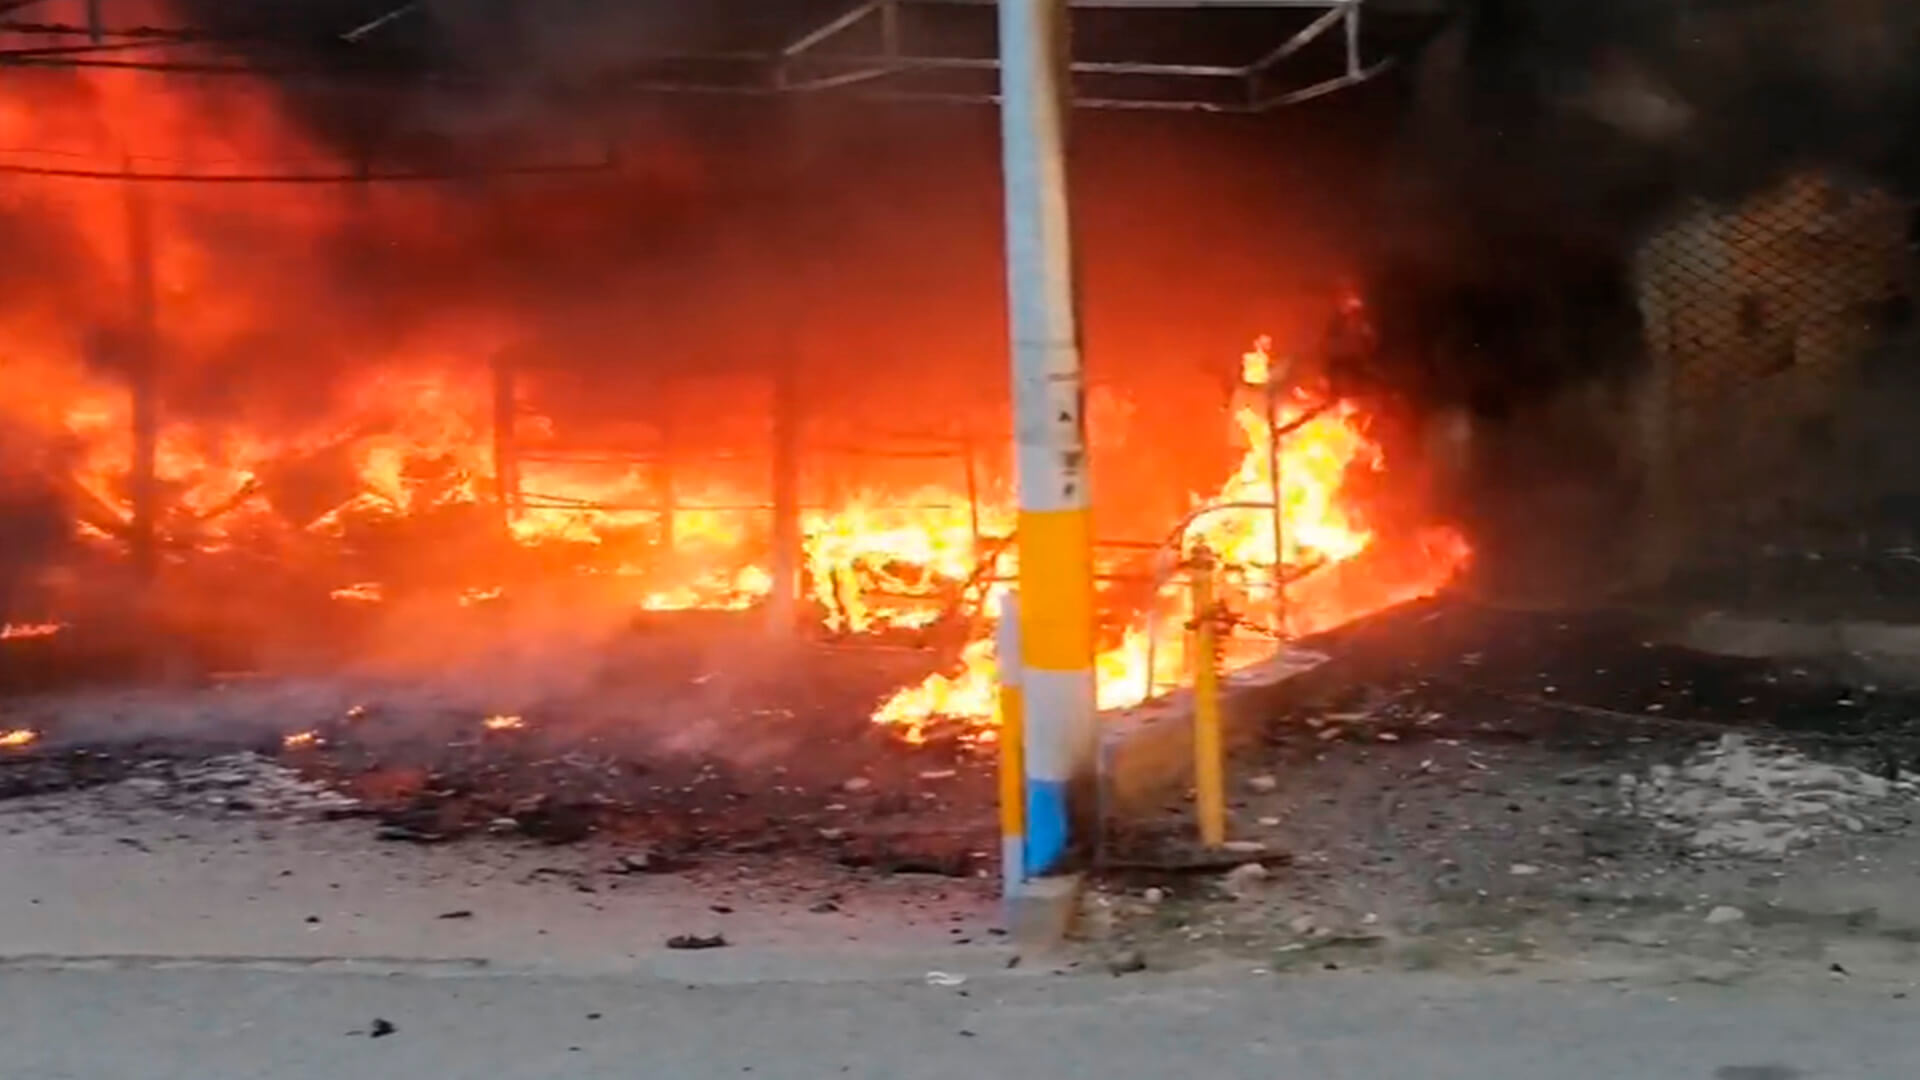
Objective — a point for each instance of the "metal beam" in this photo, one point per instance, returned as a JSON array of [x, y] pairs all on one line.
[[841, 69], [1144, 5]]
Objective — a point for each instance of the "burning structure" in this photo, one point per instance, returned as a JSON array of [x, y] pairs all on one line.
[[296, 396], [475, 417]]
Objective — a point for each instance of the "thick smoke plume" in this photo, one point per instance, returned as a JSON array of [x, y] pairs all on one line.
[[1545, 137], [1543, 142]]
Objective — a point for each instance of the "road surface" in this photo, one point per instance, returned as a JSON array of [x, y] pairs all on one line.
[[142, 1021]]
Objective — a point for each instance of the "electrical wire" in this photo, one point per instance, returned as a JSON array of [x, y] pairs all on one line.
[[441, 176]]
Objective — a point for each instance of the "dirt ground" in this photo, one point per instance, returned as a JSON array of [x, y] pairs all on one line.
[[1469, 789], [686, 744], [1457, 789]]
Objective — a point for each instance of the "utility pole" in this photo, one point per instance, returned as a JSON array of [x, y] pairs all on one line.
[[1055, 529]]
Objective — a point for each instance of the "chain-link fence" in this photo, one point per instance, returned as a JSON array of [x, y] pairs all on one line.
[[1778, 346]]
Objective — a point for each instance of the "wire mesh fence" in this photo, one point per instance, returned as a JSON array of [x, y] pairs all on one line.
[[1778, 340]]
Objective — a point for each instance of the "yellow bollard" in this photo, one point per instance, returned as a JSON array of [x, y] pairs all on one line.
[[1209, 754], [1013, 734]]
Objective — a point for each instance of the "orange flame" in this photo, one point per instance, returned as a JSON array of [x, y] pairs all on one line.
[[1318, 528], [18, 738]]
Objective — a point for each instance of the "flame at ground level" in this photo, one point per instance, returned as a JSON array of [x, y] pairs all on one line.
[[1315, 551]]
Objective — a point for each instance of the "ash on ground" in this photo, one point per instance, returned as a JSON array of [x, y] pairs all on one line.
[[1464, 786], [1740, 797], [678, 749]]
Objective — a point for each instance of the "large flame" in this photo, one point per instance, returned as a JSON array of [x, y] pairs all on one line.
[[1312, 447], [408, 439]]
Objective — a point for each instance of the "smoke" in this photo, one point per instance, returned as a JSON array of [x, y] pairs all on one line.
[[1557, 131], [1544, 140]]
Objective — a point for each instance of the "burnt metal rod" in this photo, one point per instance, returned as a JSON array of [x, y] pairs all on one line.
[[664, 487], [1279, 505], [783, 602], [973, 496], [506, 452]]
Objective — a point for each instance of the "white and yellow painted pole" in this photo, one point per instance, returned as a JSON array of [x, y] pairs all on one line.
[[1056, 540]]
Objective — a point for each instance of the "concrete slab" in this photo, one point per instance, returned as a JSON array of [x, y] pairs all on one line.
[[1147, 751], [1885, 652], [1042, 913], [80, 882]]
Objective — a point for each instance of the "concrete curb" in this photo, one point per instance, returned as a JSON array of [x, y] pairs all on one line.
[[1042, 913], [1888, 652], [1146, 752]]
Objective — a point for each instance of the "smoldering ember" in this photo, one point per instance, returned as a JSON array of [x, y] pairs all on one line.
[[578, 439]]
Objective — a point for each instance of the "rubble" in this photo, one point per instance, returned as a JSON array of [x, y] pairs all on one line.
[[1724, 914], [1742, 797], [643, 862], [1245, 879]]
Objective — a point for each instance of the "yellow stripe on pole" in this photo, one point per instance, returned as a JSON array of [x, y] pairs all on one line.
[[1013, 768], [1056, 589]]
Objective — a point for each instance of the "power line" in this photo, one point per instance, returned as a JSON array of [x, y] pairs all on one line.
[[440, 176]]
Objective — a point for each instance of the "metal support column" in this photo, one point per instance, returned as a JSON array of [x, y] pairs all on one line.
[[506, 445], [1056, 541], [665, 491], [141, 346], [783, 601]]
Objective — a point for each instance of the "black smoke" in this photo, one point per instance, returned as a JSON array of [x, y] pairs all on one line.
[[1542, 140]]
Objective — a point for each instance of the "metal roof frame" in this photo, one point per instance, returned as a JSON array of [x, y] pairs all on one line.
[[864, 52], [810, 63]]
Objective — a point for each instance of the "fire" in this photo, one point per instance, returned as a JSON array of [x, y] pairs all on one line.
[[714, 591], [1319, 444], [969, 692], [18, 738], [323, 478], [877, 563], [300, 740], [477, 595]]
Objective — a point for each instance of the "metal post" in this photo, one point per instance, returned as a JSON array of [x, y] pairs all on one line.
[[1013, 817], [973, 496], [783, 601], [1056, 542], [1279, 503], [1209, 755], [506, 447], [142, 379], [666, 493]]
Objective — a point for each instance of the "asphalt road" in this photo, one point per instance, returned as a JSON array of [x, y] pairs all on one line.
[[213, 1023]]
